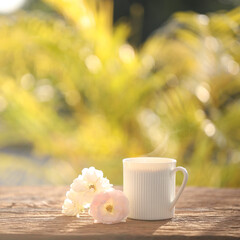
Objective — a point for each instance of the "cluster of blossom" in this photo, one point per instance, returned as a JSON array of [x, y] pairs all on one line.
[[92, 190]]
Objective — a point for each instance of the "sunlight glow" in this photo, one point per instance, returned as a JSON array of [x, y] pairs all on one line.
[[126, 53], [44, 93], [93, 63], [202, 94], [27, 81], [203, 19], [10, 5], [209, 128]]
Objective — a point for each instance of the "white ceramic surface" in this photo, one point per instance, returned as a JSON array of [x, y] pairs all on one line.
[[149, 184]]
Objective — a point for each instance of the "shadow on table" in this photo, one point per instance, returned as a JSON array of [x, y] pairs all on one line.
[[225, 225], [84, 226]]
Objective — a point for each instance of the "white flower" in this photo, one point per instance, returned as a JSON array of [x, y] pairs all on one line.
[[73, 204], [109, 207], [83, 189], [90, 183], [91, 174], [79, 185], [71, 208], [75, 196]]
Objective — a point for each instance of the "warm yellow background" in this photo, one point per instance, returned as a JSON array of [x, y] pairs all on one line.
[[74, 90]]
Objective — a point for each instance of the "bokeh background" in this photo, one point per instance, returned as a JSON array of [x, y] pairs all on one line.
[[87, 83]]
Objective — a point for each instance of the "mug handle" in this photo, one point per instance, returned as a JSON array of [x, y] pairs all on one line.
[[185, 178]]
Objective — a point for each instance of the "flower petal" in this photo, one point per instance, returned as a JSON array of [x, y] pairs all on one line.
[[119, 203], [79, 185], [70, 208], [91, 175]]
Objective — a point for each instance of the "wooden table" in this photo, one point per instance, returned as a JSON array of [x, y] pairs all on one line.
[[35, 213]]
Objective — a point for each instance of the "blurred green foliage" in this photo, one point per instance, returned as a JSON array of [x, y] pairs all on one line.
[[72, 86]]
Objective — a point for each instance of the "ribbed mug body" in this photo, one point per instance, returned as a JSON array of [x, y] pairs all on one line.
[[149, 185]]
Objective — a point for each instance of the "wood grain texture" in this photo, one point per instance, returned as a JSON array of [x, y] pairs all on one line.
[[35, 213]]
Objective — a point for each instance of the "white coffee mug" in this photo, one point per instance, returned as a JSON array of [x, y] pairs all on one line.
[[149, 184]]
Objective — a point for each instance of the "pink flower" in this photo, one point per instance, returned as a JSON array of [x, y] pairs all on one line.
[[109, 207]]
